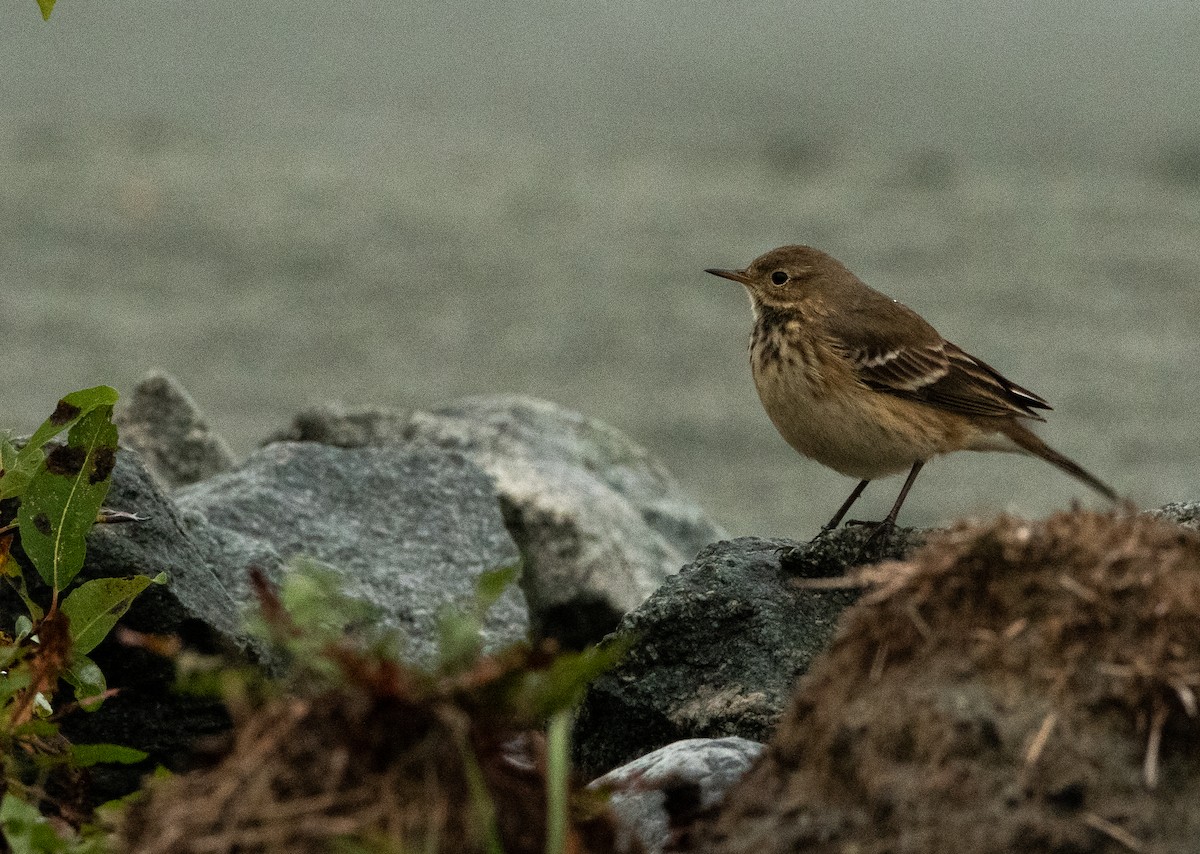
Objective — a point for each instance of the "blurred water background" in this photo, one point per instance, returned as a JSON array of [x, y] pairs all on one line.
[[401, 204]]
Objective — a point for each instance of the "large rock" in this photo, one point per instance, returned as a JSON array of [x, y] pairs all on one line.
[[600, 523], [408, 530], [718, 647], [655, 797], [163, 423]]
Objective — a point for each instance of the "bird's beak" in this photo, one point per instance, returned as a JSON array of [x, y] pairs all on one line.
[[738, 276]]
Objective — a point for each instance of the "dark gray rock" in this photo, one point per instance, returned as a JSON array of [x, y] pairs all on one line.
[[717, 649], [163, 423], [666, 788], [408, 530], [195, 602]]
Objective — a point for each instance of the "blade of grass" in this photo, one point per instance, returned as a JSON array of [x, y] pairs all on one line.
[[558, 767], [481, 799]]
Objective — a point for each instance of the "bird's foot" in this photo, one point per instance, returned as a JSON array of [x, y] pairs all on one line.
[[876, 543], [826, 530], [789, 555], [793, 554]]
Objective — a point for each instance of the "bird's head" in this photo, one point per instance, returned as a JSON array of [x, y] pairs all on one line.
[[790, 275]]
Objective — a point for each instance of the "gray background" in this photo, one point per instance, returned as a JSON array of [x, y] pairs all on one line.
[[403, 204]]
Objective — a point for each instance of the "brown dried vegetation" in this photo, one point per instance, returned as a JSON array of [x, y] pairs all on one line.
[[1014, 687], [391, 758]]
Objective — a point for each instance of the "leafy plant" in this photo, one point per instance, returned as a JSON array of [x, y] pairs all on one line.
[[50, 497]]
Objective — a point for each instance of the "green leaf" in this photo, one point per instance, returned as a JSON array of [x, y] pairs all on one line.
[[25, 829], [27, 462], [87, 755], [47, 6], [19, 469], [23, 628], [86, 677], [482, 804], [492, 583], [561, 686], [38, 728], [69, 410], [460, 631], [13, 682], [8, 453], [311, 592], [95, 606], [60, 504], [459, 640]]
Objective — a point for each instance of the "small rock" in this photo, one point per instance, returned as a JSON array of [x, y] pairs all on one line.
[[407, 530], [666, 788], [163, 423]]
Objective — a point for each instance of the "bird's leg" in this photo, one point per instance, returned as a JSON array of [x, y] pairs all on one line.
[[845, 508], [884, 529], [788, 552]]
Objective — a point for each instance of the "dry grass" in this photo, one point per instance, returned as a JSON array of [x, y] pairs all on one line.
[[389, 758], [1015, 686]]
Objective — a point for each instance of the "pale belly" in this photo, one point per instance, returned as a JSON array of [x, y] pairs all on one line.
[[865, 434]]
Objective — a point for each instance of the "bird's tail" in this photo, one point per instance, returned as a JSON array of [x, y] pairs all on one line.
[[1032, 443]]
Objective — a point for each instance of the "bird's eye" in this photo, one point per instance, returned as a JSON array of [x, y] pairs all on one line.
[[779, 277]]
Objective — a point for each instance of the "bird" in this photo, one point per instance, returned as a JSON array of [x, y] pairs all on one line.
[[863, 384]]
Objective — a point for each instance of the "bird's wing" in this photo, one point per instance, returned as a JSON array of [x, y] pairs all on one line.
[[908, 358]]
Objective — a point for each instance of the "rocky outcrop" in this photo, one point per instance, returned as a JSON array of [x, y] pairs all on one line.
[[407, 530], [600, 523], [718, 648]]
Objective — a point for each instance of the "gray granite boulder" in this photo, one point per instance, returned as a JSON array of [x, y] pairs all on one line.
[[655, 796], [717, 649], [408, 530], [163, 423], [600, 523]]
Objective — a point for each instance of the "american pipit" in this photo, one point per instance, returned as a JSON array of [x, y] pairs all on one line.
[[863, 384]]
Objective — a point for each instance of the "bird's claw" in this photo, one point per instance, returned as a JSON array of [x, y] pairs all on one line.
[[876, 542]]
